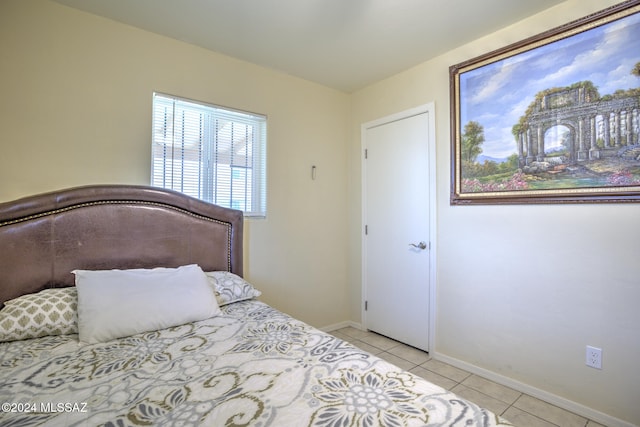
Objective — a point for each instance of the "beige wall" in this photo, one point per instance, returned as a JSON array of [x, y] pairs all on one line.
[[521, 290], [75, 109]]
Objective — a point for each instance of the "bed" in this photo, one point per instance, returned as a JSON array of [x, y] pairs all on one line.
[[86, 343]]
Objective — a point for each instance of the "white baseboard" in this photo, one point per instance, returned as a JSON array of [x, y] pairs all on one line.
[[551, 398], [341, 325]]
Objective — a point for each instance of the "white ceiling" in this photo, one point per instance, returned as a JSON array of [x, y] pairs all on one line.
[[344, 44]]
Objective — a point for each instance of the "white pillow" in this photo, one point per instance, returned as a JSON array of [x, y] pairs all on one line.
[[120, 303]]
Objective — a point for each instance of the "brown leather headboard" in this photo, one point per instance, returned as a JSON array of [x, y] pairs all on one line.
[[44, 237]]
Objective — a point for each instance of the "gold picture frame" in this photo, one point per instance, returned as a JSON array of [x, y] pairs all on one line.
[[554, 118]]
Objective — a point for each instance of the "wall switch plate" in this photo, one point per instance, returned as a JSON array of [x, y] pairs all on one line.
[[594, 357]]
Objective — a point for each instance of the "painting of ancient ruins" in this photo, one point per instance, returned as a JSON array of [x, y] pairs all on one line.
[[552, 119]]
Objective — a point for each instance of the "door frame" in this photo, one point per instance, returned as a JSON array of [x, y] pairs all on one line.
[[429, 109]]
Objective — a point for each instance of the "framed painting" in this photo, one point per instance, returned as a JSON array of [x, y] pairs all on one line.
[[551, 119]]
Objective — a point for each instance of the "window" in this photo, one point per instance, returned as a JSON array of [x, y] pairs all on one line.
[[209, 152]]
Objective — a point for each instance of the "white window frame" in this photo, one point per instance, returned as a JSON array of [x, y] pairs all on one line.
[[202, 150]]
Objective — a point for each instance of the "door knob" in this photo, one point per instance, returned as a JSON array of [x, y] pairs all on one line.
[[421, 245]]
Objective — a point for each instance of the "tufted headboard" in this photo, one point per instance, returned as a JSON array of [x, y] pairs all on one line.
[[44, 237]]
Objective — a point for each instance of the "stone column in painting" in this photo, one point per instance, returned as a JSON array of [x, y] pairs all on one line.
[[594, 152]]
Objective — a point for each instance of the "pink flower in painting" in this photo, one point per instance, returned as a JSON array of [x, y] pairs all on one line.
[[622, 178], [516, 182]]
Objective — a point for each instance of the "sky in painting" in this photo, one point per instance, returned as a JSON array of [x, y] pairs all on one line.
[[497, 95]]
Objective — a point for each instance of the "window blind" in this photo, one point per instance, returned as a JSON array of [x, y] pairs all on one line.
[[209, 152]]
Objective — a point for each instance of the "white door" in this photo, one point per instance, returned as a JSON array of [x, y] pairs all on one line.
[[396, 259]]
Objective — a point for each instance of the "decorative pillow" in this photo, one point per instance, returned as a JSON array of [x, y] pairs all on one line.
[[230, 287], [48, 312], [120, 303]]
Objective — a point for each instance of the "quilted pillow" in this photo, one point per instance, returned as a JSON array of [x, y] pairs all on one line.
[[230, 287], [48, 312]]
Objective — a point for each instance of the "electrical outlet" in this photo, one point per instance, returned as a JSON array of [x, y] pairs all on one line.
[[594, 357]]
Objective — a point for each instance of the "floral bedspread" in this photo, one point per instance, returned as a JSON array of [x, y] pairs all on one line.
[[251, 366]]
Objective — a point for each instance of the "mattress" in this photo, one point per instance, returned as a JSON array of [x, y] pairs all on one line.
[[252, 365]]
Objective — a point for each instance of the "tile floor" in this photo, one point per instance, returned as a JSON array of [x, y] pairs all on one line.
[[519, 408]]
